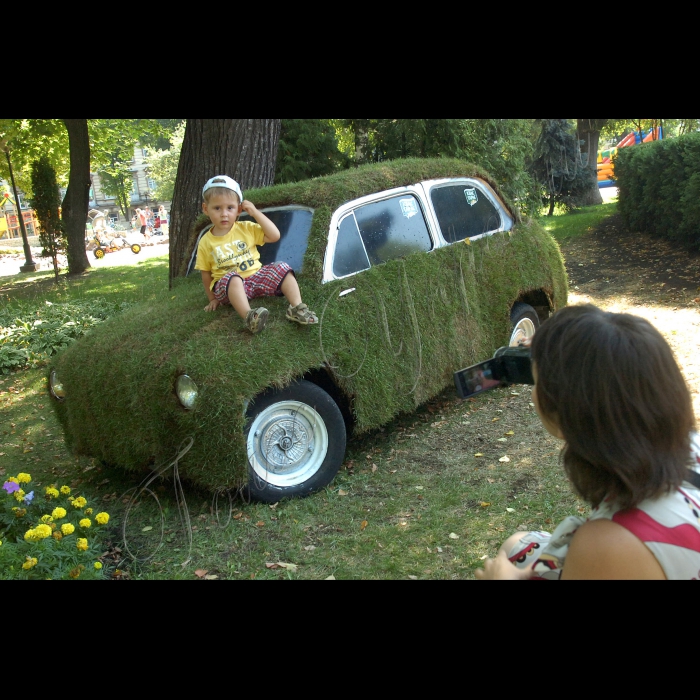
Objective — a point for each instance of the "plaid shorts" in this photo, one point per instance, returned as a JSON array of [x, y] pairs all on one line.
[[266, 282]]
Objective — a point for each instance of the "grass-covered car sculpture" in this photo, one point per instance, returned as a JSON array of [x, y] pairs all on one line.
[[415, 268]]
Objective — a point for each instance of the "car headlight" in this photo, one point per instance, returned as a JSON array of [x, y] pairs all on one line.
[[186, 391], [56, 386]]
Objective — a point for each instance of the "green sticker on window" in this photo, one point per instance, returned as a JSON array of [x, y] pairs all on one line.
[[471, 195]]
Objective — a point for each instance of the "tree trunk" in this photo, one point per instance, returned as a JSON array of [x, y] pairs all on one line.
[[589, 134], [244, 149], [76, 202]]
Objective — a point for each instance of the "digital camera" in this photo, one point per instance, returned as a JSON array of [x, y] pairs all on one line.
[[509, 365]]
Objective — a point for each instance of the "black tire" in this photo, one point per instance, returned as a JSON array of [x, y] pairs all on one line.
[[298, 443], [524, 322], [99, 253]]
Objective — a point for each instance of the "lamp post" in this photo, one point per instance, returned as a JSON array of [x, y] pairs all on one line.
[[29, 264]]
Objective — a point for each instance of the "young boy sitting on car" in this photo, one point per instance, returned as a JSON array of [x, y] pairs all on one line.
[[229, 260]]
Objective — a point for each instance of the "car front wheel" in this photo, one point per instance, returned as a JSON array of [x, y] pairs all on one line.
[[295, 439], [524, 321]]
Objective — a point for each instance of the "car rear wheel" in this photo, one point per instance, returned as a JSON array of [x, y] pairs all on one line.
[[295, 439], [524, 321]]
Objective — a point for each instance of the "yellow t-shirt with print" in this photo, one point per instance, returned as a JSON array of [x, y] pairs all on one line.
[[237, 251]]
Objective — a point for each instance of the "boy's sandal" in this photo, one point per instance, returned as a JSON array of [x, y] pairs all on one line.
[[301, 314], [256, 318]]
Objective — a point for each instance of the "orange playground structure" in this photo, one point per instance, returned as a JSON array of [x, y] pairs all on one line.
[[606, 169]]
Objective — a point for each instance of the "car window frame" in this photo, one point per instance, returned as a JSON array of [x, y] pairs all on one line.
[[349, 208], [507, 221]]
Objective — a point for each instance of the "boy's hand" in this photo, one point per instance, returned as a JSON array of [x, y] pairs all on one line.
[[248, 207], [212, 305]]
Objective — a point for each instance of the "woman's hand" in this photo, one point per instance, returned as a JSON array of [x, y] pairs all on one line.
[[500, 569], [212, 305]]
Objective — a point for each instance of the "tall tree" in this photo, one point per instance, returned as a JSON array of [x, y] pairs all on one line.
[[76, 201], [46, 203], [556, 166], [244, 149], [589, 136]]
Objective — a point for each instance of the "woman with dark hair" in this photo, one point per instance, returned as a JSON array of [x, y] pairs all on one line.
[[609, 386]]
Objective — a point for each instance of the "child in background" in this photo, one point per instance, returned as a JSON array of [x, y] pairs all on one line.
[[229, 260]]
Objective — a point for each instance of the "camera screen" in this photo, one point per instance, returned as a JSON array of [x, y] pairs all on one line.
[[478, 378]]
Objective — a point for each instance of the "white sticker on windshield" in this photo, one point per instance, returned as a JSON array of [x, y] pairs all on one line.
[[472, 197], [409, 207]]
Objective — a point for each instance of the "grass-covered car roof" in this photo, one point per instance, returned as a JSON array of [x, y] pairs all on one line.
[[384, 349]]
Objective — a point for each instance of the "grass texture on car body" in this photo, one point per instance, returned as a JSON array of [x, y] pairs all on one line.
[[394, 343]]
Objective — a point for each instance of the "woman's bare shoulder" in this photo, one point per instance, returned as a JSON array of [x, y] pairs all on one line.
[[602, 549]]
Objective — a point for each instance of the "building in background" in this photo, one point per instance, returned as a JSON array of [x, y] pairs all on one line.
[[141, 191]]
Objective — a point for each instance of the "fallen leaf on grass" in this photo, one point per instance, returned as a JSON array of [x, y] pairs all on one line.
[[510, 432], [454, 536], [413, 578], [310, 548], [484, 504], [363, 525], [281, 565], [147, 528], [479, 454], [201, 573], [329, 578], [342, 493], [374, 468], [486, 556], [260, 523], [439, 550], [502, 439], [510, 510], [505, 458]]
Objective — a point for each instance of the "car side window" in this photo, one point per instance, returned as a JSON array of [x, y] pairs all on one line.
[[464, 211], [376, 232], [350, 254]]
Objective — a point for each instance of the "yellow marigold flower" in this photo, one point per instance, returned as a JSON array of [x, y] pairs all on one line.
[[82, 544], [30, 563], [102, 518], [88, 511], [85, 522], [51, 492], [43, 531], [20, 512], [98, 564], [65, 490], [30, 535], [74, 573], [58, 513], [57, 536], [67, 528], [52, 526], [46, 518], [19, 495], [79, 502], [13, 479], [23, 478]]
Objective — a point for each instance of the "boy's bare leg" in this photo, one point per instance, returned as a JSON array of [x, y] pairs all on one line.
[[290, 289], [237, 297]]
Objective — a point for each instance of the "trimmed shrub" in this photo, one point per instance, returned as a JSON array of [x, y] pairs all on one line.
[[659, 185]]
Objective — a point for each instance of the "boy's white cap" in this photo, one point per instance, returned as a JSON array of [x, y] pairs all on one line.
[[227, 182]]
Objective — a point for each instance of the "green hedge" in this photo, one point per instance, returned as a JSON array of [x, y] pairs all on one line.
[[659, 186]]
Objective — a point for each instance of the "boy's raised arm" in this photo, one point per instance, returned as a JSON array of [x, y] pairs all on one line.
[[272, 233]]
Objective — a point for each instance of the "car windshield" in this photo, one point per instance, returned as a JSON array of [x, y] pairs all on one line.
[[294, 224]]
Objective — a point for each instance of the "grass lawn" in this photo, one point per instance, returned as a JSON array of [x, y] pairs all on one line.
[[428, 496], [565, 226]]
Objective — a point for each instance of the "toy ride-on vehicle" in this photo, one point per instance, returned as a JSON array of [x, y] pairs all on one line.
[[106, 239]]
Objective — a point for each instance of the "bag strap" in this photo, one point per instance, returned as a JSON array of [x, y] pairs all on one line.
[[693, 478]]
